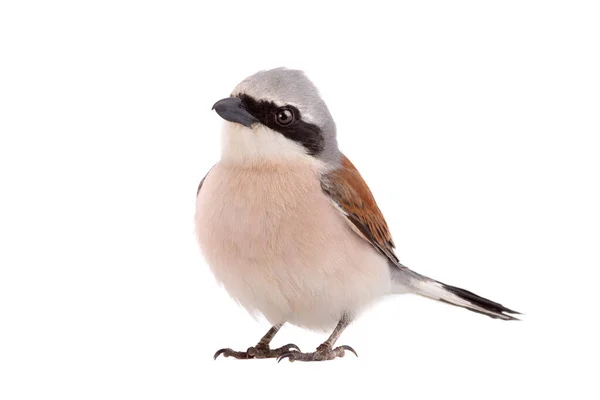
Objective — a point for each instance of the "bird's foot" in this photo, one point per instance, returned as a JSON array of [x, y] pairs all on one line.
[[324, 352], [258, 351]]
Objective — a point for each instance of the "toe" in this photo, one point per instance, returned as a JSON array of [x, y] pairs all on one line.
[[289, 355], [252, 352], [221, 351]]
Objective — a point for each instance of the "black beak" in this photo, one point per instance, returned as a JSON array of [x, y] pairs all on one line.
[[231, 109]]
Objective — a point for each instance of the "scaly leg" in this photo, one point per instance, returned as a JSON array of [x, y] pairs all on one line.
[[261, 350], [325, 351]]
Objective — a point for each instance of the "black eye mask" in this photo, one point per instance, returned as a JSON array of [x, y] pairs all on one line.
[[267, 113]]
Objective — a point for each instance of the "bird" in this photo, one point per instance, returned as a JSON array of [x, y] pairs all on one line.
[[290, 229]]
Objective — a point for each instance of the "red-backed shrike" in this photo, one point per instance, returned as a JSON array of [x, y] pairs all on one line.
[[289, 227]]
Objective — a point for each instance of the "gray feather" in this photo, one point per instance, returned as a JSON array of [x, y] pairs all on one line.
[[289, 86]]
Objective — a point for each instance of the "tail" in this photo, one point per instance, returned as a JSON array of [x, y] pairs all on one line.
[[452, 295]]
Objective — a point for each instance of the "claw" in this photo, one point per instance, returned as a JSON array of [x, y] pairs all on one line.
[[292, 346], [346, 347], [289, 354], [219, 352]]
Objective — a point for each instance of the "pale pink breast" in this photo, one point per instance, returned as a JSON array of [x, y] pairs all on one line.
[[278, 246]]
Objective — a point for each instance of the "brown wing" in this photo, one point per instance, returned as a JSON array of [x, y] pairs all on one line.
[[349, 192], [202, 181]]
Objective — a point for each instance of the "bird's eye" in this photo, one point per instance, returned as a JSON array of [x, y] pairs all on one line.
[[285, 116]]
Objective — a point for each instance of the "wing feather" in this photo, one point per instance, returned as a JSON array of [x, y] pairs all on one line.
[[352, 197], [202, 181]]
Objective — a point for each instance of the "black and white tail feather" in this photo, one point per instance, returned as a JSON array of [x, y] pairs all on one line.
[[453, 295]]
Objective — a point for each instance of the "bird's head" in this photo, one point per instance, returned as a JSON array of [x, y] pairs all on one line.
[[277, 116]]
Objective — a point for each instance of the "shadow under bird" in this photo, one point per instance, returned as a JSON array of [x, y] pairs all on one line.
[[289, 227]]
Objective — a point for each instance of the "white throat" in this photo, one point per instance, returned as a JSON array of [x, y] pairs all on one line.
[[260, 145]]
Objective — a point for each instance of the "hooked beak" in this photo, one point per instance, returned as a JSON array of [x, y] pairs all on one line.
[[231, 109]]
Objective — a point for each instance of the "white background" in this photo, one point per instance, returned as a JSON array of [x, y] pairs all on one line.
[[475, 123]]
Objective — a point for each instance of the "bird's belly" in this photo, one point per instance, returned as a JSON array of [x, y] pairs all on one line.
[[277, 245]]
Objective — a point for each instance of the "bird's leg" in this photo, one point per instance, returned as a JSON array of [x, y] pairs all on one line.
[[325, 351], [262, 349]]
